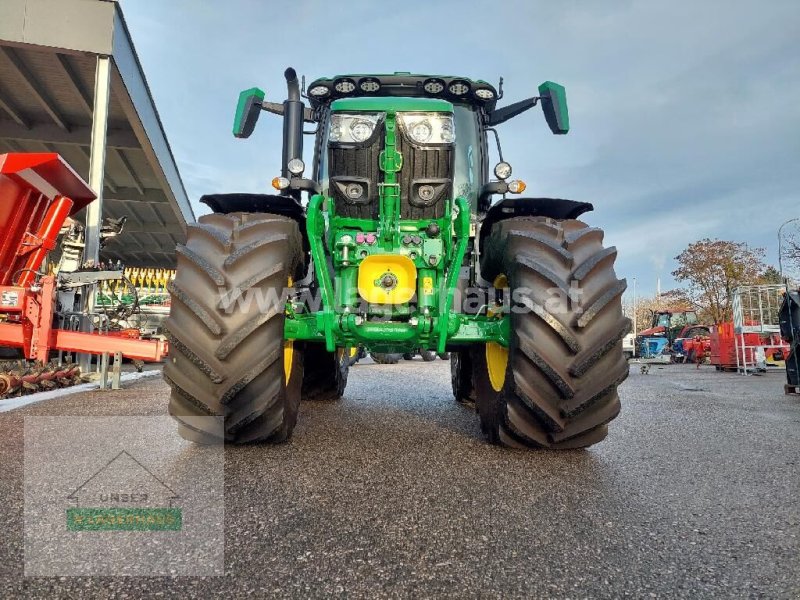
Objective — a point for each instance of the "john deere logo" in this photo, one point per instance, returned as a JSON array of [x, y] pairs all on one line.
[[124, 495]]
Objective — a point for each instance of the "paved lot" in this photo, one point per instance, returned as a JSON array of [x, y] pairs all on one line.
[[392, 492]]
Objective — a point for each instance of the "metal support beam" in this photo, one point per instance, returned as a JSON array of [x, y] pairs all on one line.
[[152, 227], [156, 215], [149, 196], [78, 134], [97, 166], [34, 87], [13, 145], [77, 86], [129, 169], [109, 182], [97, 157], [9, 107]]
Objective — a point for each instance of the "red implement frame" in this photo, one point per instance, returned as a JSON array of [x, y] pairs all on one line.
[[37, 193]]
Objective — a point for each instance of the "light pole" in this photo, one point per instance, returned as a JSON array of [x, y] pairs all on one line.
[[635, 330], [780, 245]]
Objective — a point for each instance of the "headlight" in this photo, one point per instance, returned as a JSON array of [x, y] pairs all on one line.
[[318, 91], [458, 87], [369, 85], [420, 131], [296, 166], [428, 128], [502, 170], [433, 86], [352, 128], [361, 130], [448, 133], [344, 86]]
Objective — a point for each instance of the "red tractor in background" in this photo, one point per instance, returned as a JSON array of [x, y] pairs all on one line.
[[674, 333]]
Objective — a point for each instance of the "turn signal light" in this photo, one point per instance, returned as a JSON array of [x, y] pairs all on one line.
[[516, 187], [280, 183]]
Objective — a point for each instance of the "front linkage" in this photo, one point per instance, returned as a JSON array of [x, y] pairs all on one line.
[[433, 325]]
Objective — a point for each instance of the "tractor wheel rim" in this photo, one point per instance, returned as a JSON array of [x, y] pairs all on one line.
[[288, 346], [497, 355], [288, 359], [496, 365]]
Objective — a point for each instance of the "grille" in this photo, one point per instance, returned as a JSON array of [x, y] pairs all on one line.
[[351, 163], [424, 166]]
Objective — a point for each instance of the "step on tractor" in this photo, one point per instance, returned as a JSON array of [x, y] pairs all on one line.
[[397, 239]]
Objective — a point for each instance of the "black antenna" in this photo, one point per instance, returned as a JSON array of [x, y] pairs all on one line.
[[500, 90]]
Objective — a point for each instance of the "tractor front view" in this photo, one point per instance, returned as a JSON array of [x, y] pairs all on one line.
[[395, 241]]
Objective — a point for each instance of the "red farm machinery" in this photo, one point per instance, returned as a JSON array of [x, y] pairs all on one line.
[[38, 316], [675, 335]]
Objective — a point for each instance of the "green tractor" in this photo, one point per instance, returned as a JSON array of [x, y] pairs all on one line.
[[396, 240]]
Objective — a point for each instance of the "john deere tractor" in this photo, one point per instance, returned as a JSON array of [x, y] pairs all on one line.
[[396, 239]]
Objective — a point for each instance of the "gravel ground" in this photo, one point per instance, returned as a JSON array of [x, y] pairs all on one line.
[[392, 492]]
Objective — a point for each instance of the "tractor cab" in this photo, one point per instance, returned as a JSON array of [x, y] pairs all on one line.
[[669, 323], [351, 113]]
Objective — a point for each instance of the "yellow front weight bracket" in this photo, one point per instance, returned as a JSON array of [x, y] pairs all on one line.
[[387, 279]]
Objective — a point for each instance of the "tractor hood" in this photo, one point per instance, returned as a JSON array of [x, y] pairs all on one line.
[[378, 104]]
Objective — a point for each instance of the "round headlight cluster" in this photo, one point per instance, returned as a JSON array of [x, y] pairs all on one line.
[[428, 128], [502, 170], [345, 86], [361, 130], [420, 131], [352, 128], [484, 94]]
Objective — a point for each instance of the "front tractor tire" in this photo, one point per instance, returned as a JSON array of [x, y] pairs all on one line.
[[556, 385], [227, 356]]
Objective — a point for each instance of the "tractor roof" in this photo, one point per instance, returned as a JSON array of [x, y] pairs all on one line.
[[380, 104], [455, 89]]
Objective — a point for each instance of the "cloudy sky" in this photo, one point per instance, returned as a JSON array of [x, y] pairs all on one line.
[[685, 116]]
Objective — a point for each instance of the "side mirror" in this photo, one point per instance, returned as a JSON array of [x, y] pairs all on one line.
[[247, 112], [554, 105]]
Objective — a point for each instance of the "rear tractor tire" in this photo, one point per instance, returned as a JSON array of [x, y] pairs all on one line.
[[227, 356], [325, 373], [382, 358], [461, 377], [428, 355], [555, 386]]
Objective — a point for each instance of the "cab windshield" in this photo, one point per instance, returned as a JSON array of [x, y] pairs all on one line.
[[467, 175]]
